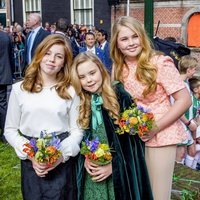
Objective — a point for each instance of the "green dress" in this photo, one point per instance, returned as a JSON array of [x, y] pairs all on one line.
[[98, 190]]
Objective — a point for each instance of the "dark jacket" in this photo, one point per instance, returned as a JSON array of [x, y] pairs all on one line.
[[6, 59], [41, 34], [108, 61]]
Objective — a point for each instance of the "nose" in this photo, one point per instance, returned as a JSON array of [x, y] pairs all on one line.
[[131, 42], [51, 58], [88, 78]]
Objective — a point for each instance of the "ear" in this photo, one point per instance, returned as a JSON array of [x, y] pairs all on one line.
[[195, 90]]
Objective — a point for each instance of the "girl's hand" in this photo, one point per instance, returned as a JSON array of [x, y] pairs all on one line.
[[193, 126], [40, 168], [102, 172], [89, 166], [146, 137]]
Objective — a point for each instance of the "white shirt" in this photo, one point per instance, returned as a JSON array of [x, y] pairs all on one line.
[[32, 113], [92, 50], [103, 45]]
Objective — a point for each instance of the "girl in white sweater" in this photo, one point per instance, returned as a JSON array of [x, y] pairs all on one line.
[[45, 100]]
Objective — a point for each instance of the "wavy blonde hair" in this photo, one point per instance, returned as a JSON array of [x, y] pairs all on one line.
[[33, 79], [146, 72], [110, 102]]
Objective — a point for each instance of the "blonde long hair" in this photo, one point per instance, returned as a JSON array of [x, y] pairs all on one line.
[[110, 102], [33, 80], [146, 72]]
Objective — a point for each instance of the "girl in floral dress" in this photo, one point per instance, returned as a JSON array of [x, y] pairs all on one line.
[[151, 78]]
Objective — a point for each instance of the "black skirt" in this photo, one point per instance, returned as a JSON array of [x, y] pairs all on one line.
[[58, 184]]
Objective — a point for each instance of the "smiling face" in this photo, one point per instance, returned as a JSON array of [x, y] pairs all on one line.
[[52, 61], [90, 40], [90, 77], [129, 42]]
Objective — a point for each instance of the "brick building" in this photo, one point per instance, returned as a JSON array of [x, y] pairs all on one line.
[[179, 19]]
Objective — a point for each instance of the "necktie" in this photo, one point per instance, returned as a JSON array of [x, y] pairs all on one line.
[[100, 46], [29, 46]]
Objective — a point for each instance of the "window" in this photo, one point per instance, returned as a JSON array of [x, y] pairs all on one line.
[[2, 4], [82, 12], [193, 30], [31, 6]]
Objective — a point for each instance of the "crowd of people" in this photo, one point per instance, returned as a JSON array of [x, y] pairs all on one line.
[[76, 84]]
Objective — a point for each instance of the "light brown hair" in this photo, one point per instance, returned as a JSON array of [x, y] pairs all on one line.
[[33, 80], [110, 102], [146, 71]]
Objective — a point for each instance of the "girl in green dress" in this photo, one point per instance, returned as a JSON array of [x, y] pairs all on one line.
[[126, 177]]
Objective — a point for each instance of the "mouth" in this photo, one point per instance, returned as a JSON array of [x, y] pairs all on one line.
[[91, 85], [50, 66], [131, 48]]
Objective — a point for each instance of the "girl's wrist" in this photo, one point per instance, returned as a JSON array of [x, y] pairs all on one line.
[[188, 123]]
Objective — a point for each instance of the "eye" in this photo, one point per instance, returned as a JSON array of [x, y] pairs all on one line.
[[135, 36], [81, 77], [59, 56], [92, 72], [123, 39], [47, 53]]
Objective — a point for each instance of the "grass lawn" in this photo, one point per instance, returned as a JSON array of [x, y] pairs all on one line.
[[10, 180]]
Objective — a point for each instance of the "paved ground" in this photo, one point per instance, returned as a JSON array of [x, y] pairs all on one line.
[[186, 183]]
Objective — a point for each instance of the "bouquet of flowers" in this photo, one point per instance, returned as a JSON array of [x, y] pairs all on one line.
[[96, 152], [136, 120], [45, 149]]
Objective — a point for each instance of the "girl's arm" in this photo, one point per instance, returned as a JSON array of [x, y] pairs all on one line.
[[182, 101]]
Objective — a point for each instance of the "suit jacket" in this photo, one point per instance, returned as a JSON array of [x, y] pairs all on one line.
[[108, 61], [41, 34], [99, 53], [6, 59]]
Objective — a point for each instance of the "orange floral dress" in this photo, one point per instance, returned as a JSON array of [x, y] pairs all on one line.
[[168, 82]]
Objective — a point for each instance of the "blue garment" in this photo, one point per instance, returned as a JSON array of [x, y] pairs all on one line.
[[41, 34], [99, 52], [108, 61]]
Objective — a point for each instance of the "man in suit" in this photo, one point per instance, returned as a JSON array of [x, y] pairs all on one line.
[[90, 46], [102, 38], [62, 28], [34, 37], [6, 66]]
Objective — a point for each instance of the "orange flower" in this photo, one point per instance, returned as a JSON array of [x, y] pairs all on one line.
[[51, 150], [150, 116], [133, 120]]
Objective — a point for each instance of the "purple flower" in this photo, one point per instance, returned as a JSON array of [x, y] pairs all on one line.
[[87, 142], [94, 144], [141, 108], [55, 141], [33, 144]]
